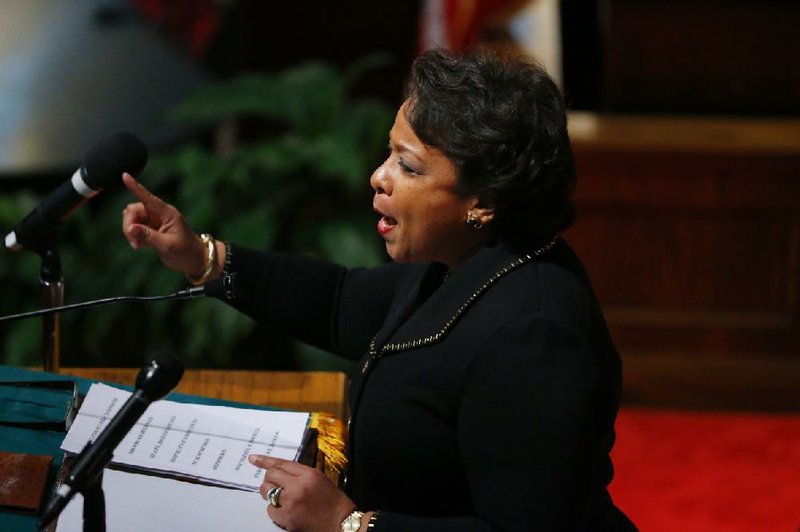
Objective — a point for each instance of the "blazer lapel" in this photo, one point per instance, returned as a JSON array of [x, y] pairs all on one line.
[[404, 306], [442, 309]]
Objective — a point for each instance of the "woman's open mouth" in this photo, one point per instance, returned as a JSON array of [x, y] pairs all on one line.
[[386, 224]]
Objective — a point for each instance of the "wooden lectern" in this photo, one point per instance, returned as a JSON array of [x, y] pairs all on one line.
[[305, 391]]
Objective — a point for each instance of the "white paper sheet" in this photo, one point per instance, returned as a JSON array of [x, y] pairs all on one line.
[[135, 503], [197, 441]]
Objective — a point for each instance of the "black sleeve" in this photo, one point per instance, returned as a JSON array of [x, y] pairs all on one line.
[[317, 302], [527, 433]]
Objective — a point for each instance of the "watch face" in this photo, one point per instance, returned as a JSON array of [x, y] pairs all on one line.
[[353, 522]]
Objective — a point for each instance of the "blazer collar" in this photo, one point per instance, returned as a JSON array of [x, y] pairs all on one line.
[[406, 328]]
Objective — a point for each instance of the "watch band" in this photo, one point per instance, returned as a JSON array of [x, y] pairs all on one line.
[[372, 520]]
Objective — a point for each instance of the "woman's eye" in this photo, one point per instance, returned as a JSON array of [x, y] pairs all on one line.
[[406, 167]]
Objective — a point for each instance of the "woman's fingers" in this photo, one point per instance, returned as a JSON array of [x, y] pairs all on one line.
[[154, 223], [265, 487], [269, 463], [139, 227], [308, 500], [263, 461], [277, 472], [152, 203], [140, 221], [134, 217], [279, 476], [134, 213]]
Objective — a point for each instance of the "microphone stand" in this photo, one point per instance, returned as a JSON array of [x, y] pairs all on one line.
[[161, 373], [51, 289], [94, 506]]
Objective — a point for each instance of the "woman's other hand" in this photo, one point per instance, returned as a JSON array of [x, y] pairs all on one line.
[[308, 500], [151, 222]]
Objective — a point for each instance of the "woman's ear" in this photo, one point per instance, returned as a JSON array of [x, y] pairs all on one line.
[[482, 210]]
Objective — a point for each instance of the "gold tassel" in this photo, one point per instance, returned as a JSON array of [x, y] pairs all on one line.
[[331, 457]]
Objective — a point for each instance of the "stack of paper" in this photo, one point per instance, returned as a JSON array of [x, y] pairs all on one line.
[[206, 443], [140, 502]]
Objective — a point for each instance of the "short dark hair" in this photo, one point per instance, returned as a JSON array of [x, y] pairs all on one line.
[[502, 122]]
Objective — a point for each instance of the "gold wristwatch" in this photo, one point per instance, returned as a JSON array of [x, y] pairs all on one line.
[[352, 522]]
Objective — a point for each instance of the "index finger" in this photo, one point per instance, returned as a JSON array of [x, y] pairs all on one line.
[[150, 200], [263, 461], [268, 462]]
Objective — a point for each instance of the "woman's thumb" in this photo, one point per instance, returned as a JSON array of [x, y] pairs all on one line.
[[142, 236]]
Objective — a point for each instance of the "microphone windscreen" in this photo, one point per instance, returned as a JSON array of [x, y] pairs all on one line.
[[105, 162], [160, 374]]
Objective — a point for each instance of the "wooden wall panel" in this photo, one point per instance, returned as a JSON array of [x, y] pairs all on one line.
[[723, 56], [694, 252]]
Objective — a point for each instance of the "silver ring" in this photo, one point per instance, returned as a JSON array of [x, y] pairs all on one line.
[[272, 496]]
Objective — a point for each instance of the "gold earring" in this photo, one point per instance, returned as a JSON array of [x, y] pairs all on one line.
[[473, 221]]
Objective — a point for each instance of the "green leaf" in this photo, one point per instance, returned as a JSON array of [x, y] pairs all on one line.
[[351, 244], [21, 346]]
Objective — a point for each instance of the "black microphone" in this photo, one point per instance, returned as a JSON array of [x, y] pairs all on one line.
[[102, 168], [160, 374]]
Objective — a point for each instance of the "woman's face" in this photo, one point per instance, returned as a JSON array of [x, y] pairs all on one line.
[[423, 215]]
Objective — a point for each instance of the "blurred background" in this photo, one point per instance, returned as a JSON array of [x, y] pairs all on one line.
[[265, 119]]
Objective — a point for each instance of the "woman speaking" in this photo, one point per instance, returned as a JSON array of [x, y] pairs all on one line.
[[487, 384]]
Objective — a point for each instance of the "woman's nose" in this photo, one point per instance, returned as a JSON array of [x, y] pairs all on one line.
[[380, 182]]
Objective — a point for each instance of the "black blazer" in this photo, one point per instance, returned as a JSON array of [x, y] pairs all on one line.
[[483, 402]]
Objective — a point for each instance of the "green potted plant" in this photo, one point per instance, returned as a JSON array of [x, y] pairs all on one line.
[[287, 168]]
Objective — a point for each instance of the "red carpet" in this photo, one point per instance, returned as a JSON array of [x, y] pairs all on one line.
[[693, 472]]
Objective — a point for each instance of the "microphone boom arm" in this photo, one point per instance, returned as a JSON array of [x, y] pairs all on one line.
[[181, 294], [224, 286]]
